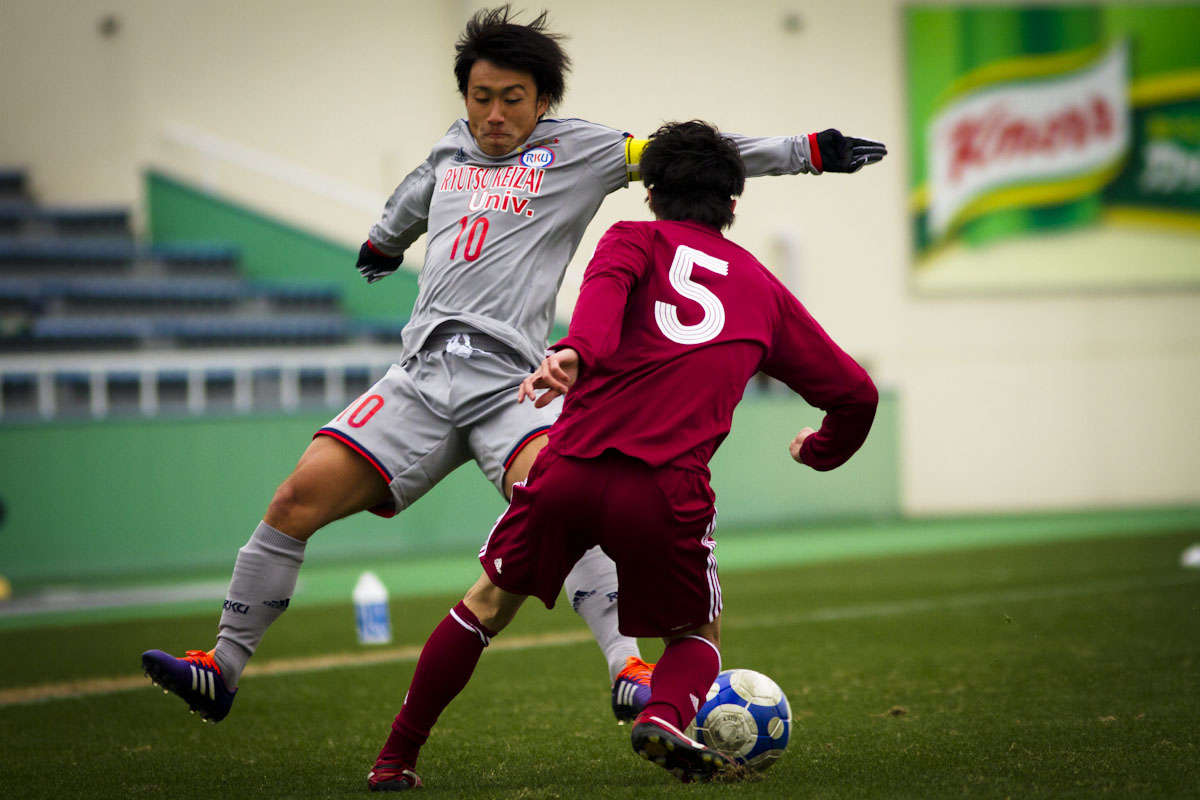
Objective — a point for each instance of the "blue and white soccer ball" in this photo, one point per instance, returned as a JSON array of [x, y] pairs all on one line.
[[746, 716]]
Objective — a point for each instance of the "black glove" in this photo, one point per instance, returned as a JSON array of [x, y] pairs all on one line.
[[374, 265], [837, 153]]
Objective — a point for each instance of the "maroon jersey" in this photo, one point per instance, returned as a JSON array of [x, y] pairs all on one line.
[[672, 322]]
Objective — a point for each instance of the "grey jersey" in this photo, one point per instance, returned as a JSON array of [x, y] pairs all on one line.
[[503, 230]]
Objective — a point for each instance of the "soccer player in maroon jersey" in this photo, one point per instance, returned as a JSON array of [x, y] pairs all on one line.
[[672, 322]]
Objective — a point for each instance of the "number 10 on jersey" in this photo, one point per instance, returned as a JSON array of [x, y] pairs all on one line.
[[473, 246]]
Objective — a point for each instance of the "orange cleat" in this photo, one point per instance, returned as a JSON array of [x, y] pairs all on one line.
[[631, 689], [196, 678]]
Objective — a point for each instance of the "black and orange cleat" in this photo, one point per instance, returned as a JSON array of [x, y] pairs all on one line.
[[659, 741]]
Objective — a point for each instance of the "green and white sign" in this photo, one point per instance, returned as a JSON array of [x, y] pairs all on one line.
[[1054, 147]]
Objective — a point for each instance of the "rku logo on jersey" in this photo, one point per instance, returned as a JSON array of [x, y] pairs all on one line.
[[537, 157]]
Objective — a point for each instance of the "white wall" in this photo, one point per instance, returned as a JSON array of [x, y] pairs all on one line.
[[1008, 403]]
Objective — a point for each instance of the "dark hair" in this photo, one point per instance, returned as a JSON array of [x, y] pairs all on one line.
[[491, 36], [694, 173]]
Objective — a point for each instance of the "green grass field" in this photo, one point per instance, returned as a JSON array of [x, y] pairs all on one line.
[[1046, 669]]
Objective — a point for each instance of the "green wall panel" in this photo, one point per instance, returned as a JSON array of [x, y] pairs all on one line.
[[757, 483], [144, 496], [141, 496]]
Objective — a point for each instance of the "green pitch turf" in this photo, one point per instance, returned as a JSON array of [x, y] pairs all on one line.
[[1039, 670]]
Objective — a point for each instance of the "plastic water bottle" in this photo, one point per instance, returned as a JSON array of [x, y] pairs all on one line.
[[371, 610]]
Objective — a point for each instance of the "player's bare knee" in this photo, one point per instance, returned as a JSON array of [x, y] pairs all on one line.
[[290, 512], [284, 500], [491, 605]]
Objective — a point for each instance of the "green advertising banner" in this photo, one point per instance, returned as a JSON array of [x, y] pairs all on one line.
[[1054, 147]]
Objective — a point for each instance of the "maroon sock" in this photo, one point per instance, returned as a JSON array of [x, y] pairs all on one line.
[[681, 679], [446, 663]]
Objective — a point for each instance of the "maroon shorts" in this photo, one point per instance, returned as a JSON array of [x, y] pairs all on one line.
[[656, 524]]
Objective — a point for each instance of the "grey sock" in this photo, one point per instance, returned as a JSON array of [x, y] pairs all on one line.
[[264, 577], [591, 587]]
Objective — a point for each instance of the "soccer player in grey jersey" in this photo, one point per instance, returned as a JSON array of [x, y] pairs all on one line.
[[504, 199]]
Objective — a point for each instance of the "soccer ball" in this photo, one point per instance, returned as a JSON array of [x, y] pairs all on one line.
[[746, 716]]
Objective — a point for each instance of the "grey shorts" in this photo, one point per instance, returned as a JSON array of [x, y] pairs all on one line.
[[449, 404]]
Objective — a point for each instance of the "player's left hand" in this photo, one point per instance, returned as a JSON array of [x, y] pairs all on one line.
[[798, 442], [556, 374], [374, 265], [838, 153]]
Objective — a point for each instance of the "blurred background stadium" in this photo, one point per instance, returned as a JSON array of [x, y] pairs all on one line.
[[183, 189], [184, 186]]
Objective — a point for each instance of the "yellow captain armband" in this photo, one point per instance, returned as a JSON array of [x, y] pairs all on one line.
[[633, 157]]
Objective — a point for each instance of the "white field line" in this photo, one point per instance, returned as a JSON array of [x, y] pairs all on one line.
[[67, 598], [95, 687], [950, 602], [92, 687]]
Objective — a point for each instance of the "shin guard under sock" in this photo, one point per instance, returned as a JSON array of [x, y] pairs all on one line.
[[446, 664], [264, 578], [681, 680], [591, 586]]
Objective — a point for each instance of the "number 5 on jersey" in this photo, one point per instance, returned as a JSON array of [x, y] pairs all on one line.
[[667, 314]]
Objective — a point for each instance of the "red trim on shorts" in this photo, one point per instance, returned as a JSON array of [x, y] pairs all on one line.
[[529, 437], [386, 509], [814, 152]]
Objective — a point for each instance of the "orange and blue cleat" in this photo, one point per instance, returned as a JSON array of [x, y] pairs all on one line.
[[195, 677], [631, 689]]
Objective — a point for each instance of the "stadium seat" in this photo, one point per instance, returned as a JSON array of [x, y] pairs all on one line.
[[13, 184], [113, 316], [27, 220], [277, 329], [28, 257]]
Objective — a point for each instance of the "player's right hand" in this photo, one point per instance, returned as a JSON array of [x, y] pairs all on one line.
[[374, 265], [798, 442], [556, 374]]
